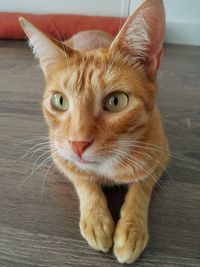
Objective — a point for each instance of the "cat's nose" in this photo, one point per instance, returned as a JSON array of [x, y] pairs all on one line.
[[80, 146]]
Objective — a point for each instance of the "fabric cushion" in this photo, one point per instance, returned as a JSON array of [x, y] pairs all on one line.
[[60, 26]]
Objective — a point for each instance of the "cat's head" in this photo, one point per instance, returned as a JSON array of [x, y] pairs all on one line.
[[96, 100]]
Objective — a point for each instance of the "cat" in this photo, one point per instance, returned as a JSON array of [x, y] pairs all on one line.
[[104, 124]]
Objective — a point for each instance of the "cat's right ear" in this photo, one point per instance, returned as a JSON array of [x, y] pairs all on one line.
[[50, 52], [140, 41]]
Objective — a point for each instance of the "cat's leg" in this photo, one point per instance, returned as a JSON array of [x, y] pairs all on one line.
[[96, 223], [131, 232]]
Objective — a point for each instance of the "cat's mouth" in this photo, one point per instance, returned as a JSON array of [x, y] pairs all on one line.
[[81, 160], [63, 152]]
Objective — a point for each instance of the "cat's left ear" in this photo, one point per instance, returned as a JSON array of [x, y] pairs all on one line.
[[50, 52], [140, 41]]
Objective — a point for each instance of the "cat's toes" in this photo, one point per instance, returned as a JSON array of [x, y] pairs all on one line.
[[97, 228], [130, 240]]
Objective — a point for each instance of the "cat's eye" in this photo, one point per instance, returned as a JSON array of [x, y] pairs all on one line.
[[59, 102], [116, 102]]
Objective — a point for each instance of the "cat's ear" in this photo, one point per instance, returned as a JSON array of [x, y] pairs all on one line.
[[48, 50], [140, 40]]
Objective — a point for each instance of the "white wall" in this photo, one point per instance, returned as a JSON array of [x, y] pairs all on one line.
[[86, 7], [183, 20]]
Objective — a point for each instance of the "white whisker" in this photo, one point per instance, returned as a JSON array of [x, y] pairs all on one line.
[[44, 180], [159, 163], [41, 148], [42, 163], [32, 148], [127, 165], [132, 143], [34, 139], [39, 158], [131, 160]]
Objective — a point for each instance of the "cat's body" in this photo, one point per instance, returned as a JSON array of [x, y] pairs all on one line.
[[104, 124]]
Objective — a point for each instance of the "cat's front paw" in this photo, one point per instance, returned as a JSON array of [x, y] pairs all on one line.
[[97, 227], [130, 239]]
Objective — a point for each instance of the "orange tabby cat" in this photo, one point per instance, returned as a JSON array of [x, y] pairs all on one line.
[[104, 124]]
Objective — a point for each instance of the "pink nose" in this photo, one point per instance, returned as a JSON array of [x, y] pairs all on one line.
[[79, 146]]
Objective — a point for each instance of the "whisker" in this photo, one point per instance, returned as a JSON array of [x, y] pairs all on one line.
[[43, 162], [30, 175], [157, 150], [138, 181], [172, 154], [184, 159], [31, 148], [159, 163], [132, 143], [120, 160], [43, 147], [40, 158], [139, 165], [44, 180], [34, 139]]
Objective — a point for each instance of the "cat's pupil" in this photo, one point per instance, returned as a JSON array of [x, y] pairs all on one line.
[[61, 100], [115, 101]]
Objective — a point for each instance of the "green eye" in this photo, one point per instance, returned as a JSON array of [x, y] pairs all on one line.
[[59, 102], [116, 102]]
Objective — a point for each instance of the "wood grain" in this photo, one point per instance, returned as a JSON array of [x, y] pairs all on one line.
[[43, 231]]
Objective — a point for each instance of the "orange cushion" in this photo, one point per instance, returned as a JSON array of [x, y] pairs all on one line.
[[58, 25]]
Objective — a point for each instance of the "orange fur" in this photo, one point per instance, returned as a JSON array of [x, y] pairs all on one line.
[[130, 146]]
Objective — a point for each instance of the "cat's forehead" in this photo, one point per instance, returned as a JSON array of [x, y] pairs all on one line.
[[94, 73], [89, 71]]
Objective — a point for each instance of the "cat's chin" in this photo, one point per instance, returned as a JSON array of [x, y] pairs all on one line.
[[102, 167], [82, 164]]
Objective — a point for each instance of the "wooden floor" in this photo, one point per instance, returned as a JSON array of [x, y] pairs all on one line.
[[43, 231]]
